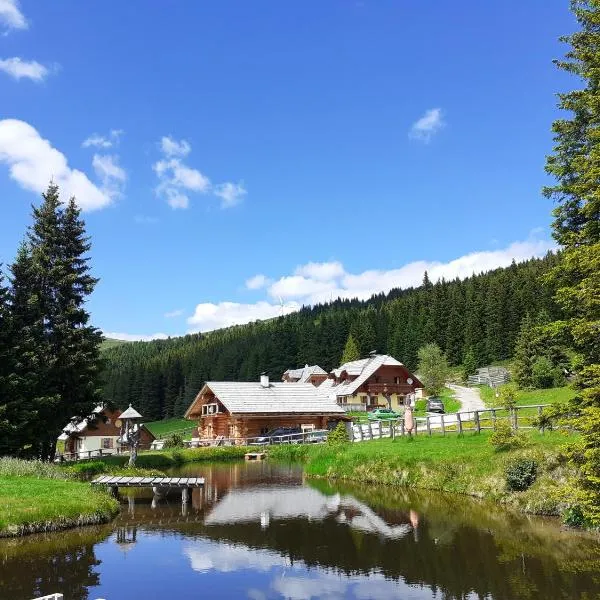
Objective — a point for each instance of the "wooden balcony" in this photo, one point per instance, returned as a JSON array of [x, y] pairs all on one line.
[[389, 388]]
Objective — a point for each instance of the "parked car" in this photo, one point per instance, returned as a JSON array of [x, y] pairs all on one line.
[[435, 405], [280, 435], [383, 414]]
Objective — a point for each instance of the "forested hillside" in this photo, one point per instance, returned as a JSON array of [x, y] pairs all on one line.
[[482, 313]]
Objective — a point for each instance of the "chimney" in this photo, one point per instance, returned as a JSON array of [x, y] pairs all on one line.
[[264, 380]]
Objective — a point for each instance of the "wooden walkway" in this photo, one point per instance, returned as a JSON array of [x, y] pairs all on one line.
[[153, 482]]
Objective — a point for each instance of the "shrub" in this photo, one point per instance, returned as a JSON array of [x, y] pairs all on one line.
[[338, 436], [175, 440], [504, 438], [86, 470], [573, 517], [543, 373], [520, 474]]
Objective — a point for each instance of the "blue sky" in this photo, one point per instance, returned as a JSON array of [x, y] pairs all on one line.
[[236, 160]]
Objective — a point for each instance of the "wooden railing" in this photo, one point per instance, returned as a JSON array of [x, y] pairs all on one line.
[[477, 421]]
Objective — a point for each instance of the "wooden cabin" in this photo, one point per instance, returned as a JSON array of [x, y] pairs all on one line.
[[250, 409], [98, 432], [379, 380], [308, 374]]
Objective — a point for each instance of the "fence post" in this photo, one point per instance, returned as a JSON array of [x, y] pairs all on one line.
[[477, 423], [494, 419], [514, 418], [443, 425], [402, 427], [370, 430], [541, 423], [459, 423], [428, 425], [393, 429]]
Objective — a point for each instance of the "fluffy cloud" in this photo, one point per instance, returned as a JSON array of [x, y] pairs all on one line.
[[321, 282], [171, 147], [230, 193], [103, 141], [132, 337], [257, 282], [23, 69], [113, 176], [427, 126], [11, 15], [209, 316], [33, 162], [174, 313], [176, 179]]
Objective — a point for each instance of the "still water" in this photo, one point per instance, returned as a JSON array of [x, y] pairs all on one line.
[[261, 531]]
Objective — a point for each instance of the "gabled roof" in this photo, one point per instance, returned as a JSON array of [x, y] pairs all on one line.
[[364, 368], [277, 398], [304, 374], [81, 426]]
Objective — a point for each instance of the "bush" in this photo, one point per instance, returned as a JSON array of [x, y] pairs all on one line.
[[520, 474], [175, 440], [573, 517], [86, 470], [543, 373], [338, 436], [504, 438]]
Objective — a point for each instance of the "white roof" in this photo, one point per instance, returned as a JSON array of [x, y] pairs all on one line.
[[130, 413], [252, 397], [364, 368], [303, 375], [81, 425]]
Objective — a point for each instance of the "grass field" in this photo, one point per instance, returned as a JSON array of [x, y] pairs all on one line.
[[29, 504], [168, 426], [525, 397], [111, 343], [465, 464]]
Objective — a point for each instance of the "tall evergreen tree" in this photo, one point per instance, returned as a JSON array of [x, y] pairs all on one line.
[[575, 164], [350, 351]]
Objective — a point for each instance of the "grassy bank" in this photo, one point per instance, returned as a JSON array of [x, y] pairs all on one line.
[[466, 464], [37, 497], [526, 397]]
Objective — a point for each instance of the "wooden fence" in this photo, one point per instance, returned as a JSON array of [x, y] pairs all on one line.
[[520, 417]]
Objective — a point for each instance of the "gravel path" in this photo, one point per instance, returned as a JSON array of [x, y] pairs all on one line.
[[468, 397]]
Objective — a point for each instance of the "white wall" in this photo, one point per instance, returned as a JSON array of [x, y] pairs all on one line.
[[94, 443]]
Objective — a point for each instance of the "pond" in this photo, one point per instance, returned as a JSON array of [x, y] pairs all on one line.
[[261, 531]]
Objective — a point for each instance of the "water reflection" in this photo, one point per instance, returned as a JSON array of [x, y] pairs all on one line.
[[260, 531]]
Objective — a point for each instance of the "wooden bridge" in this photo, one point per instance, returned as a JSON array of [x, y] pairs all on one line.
[[160, 485]]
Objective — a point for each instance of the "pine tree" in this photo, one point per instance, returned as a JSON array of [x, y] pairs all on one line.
[[350, 351], [576, 166], [469, 364]]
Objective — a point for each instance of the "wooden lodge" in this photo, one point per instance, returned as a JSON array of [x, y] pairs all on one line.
[[97, 435], [245, 410]]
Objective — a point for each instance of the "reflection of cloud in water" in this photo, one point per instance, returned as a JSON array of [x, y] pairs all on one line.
[[304, 588], [264, 504], [209, 556]]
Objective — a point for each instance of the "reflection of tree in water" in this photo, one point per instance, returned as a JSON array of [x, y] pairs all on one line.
[[41, 565]]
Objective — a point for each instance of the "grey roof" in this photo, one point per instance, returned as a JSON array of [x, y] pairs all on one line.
[[303, 375], [130, 413], [78, 426], [252, 397], [364, 368]]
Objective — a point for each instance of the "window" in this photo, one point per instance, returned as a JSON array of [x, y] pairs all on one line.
[[107, 443], [396, 379]]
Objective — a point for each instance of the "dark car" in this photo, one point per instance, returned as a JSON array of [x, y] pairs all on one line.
[[435, 405], [280, 435]]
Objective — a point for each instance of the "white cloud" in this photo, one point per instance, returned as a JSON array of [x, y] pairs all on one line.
[[33, 162], [257, 282], [113, 176], [103, 141], [11, 15], [230, 193], [323, 282], [23, 69], [132, 337], [174, 313], [176, 178], [209, 316], [321, 271], [427, 126], [171, 147]]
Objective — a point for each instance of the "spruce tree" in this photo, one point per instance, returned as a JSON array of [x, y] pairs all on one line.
[[575, 164], [350, 351], [469, 364]]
